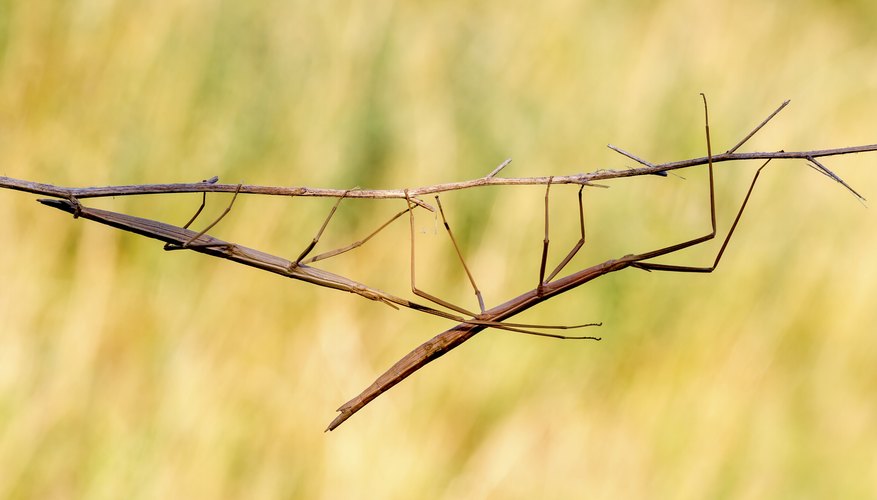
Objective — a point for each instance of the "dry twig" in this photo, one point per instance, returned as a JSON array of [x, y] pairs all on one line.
[[469, 324], [586, 179]]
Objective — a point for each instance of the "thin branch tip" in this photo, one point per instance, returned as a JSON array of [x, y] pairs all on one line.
[[497, 169], [819, 167], [759, 126], [632, 156]]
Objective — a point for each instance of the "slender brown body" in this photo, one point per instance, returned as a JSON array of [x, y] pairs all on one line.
[[181, 237], [453, 337], [419, 357], [206, 244]]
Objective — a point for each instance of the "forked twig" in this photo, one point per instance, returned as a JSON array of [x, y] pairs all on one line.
[[468, 323]]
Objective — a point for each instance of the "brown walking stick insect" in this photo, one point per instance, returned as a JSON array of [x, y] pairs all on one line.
[[469, 323]]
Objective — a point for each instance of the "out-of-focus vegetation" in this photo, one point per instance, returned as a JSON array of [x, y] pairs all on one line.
[[127, 372]]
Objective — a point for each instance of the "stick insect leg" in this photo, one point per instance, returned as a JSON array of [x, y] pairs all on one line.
[[664, 251], [215, 222], [212, 180], [197, 212], [513, 327], [352, 246], [712, 191], [649, 266], [355, 244], [191, 241], [544, 240], [414, 289], [575, 249], [316, 237], [460, 255]]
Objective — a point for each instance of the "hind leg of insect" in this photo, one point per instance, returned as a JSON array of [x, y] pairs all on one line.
[[474, 318], [652, 266]]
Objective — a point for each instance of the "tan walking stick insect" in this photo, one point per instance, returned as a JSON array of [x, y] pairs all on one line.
[[177, 238], [468, 323], [546, 289]]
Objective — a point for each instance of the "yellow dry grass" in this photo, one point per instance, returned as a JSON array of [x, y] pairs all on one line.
[[126, 372]]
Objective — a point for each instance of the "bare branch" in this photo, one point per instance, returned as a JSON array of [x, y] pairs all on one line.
[[468, 324], [586, 179]]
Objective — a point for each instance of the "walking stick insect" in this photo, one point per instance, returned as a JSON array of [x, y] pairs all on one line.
[[469, 323]]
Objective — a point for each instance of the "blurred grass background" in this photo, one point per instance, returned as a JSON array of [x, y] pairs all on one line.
[[127, 372]]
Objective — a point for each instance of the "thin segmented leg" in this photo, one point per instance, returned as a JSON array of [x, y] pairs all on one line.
[[513, 327], [545, 240], [638, 260], [355, 244], [575, 249], [316, 238], [338, 251], [191, 242], [212, 180], [301, 260], [652, 266], [425, 295], [460, 255]]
